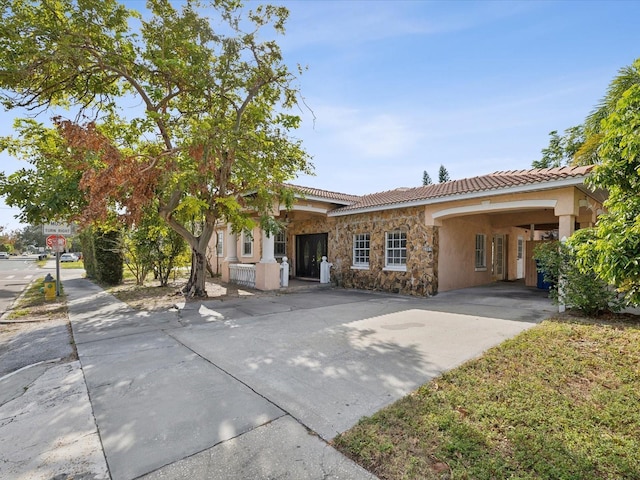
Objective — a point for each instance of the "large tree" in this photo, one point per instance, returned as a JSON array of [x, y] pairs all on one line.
[[588, 153], [171, 108], [615, 252]]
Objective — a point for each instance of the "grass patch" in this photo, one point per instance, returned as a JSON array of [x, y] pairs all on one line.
[[70, 265], [558, 401], [32, 306]]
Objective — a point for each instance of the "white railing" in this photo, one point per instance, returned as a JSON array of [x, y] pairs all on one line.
[[243, 274]]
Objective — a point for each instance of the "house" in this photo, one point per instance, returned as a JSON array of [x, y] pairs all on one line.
[[420, 240]]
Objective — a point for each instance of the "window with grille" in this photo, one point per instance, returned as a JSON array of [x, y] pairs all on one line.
[[220, 244], [280, 244], [361, 242], [396, 250], [247, 244], [481, 252]]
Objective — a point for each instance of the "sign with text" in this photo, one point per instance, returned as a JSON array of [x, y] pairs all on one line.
[[55, 228], [56, 243]]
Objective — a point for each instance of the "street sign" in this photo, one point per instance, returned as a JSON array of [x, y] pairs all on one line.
[[56, 243], [55, 228]]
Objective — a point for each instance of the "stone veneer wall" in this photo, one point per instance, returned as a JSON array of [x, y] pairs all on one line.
[[421, 277]]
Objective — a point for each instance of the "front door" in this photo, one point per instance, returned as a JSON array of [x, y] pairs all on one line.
[[309, 252]]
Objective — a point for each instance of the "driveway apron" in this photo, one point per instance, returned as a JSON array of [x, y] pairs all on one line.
[[257, 387]]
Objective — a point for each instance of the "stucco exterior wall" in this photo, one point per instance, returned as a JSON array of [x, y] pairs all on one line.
[[456, 266], [421, 275]]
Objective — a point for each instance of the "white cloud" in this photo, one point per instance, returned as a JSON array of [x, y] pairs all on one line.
[[365, 133]]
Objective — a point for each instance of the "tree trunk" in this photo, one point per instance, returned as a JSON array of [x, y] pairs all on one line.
[[196, 286]]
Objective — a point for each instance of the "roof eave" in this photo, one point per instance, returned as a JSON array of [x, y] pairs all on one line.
[[531, 187], [316, 198]]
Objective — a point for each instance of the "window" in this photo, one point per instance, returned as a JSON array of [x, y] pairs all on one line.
[[280, 244], [481, 252], [520, 248], [361, 243], [247, 243], [396, 250], [219, 244]]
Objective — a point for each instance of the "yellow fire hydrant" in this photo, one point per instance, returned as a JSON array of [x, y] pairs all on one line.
[[49, 287]]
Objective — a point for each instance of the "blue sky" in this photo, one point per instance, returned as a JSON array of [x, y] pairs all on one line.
[[399, 87]]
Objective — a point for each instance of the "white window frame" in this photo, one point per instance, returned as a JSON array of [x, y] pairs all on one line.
[[361, 251], [480, 258], [280, 239], [219, 244], [520, 248], [395, 241], [246, 235]]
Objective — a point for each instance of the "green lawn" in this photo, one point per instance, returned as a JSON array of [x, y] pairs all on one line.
[[560, 401], [78, 264]]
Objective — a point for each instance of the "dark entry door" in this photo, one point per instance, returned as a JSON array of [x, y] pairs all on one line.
[[309, 252]]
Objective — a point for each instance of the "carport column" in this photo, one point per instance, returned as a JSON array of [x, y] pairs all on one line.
[[232, 253], [566, 225], [268, 269]]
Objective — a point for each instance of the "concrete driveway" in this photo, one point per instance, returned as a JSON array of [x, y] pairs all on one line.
[[256, 387]]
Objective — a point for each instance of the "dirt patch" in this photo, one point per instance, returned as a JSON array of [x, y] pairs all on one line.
[[151, 296]]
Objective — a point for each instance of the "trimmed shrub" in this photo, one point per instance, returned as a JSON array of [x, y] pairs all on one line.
[[573, 282]]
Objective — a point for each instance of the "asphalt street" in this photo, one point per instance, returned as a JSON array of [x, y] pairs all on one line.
[[15, 274]]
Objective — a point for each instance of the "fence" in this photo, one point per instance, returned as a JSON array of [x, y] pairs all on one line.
[[243, 274]]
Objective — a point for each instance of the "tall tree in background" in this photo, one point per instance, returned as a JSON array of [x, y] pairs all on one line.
[[443, 175], [562, 149], [170, 107], [426, 179]]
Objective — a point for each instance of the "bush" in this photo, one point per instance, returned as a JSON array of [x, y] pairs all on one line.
[[572, 280], [88, 252], [108, 256]]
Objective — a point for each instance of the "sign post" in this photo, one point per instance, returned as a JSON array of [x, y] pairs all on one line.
[[57, 243]]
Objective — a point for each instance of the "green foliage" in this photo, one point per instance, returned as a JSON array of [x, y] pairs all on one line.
[[153, 246], [108, 257], [214, 125], [615, 250], [594, 126], [573, 282], [426, 179], [88, 251], [49, 188], [31, 235], [562, 149]]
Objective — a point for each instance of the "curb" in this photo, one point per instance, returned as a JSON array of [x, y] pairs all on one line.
[[15, 302]]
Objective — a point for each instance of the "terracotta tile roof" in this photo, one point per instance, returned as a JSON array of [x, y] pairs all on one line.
[[334, 197], [485, 183]]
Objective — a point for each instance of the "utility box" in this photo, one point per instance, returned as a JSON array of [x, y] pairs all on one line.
[[49, 287]]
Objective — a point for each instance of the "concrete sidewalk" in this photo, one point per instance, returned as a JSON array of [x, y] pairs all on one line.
[[257, 387]]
